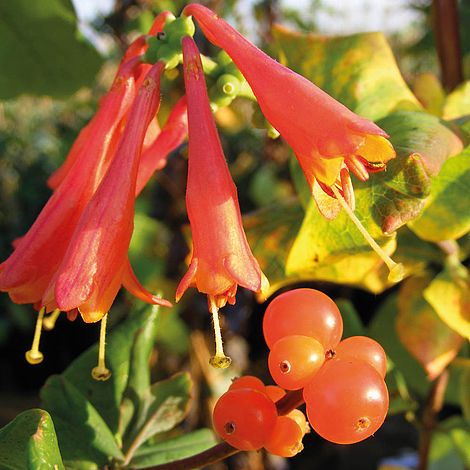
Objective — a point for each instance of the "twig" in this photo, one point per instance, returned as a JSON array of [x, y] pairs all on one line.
[[432, 407], [445, 24], [223, 450]]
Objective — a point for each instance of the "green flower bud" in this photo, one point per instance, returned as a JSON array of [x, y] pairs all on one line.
[[228, 85]]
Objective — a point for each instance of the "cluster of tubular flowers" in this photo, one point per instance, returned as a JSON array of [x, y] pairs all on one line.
[[74, 258]]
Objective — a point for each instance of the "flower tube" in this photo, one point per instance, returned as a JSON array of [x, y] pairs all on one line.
[[221, 257]]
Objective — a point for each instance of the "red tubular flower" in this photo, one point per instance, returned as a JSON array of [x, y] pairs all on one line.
[[221, 258], [93, 268], [27, 272], [137, 48], [325, 135]]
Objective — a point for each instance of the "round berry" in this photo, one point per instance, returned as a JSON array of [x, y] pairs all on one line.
[[300, 419], [274, 392], [286, 438], [364, 349], [248, 381], [294, 360], [347, 401], [307, 312], [244, 418]]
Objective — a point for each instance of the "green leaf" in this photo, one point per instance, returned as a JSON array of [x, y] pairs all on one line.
[[421, 330], [449, 295], [382, 329], [457, 104], [41, 51], [106, 396], [173, 449], [164, 405], [352, 323], [446, 217], [458, 429], [30, 442], [464, 394], [270, 232], [358, 70], [443, 454], [83, 434]]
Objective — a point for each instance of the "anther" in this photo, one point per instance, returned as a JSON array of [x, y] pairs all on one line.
[[50, 321], [34, 356], [101, 372], [219, 360], [397, 270]]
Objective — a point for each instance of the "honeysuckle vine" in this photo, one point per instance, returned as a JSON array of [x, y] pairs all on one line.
[[74, 257]]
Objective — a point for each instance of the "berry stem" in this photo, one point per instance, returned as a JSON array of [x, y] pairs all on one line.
[[287, 403], [396, 269], [429, 420]]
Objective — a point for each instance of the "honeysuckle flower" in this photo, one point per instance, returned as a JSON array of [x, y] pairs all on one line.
[[95, 264], [324, 134], [28, 271], [327, 138], [221, 257], [137, 48]]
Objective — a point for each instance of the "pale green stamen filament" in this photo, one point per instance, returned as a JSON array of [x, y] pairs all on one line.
[[101, 372], [219, 360], [49, 322], [34, 356], [396, 269]]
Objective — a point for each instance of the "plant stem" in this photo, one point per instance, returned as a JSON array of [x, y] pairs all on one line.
[[432, 407], [445, 25], [223, 450]]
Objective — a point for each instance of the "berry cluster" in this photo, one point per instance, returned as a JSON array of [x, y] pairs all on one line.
[[342, 381], [247, 418]]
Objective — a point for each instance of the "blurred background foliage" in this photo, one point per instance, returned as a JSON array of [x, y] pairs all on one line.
[[44, 104]]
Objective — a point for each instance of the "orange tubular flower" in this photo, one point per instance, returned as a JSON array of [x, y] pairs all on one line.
[[221, 258], [28, 271], [325, 135], [95, 263]]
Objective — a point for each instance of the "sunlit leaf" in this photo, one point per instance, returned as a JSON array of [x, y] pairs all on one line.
[[358, 70], [446, 216], [428, 89], [30, 442], [449, 295], [421, 330], [457, 103], [41, 51]]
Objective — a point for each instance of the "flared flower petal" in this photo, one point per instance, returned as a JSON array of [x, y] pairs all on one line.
[[322, 132], [221, 257], [92, 269]]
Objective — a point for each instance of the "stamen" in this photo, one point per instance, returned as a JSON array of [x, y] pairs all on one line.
[[348, 191], [101, 372], [49, 322], [219, 360], [357, 167], [397, 271], [34, 356]]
